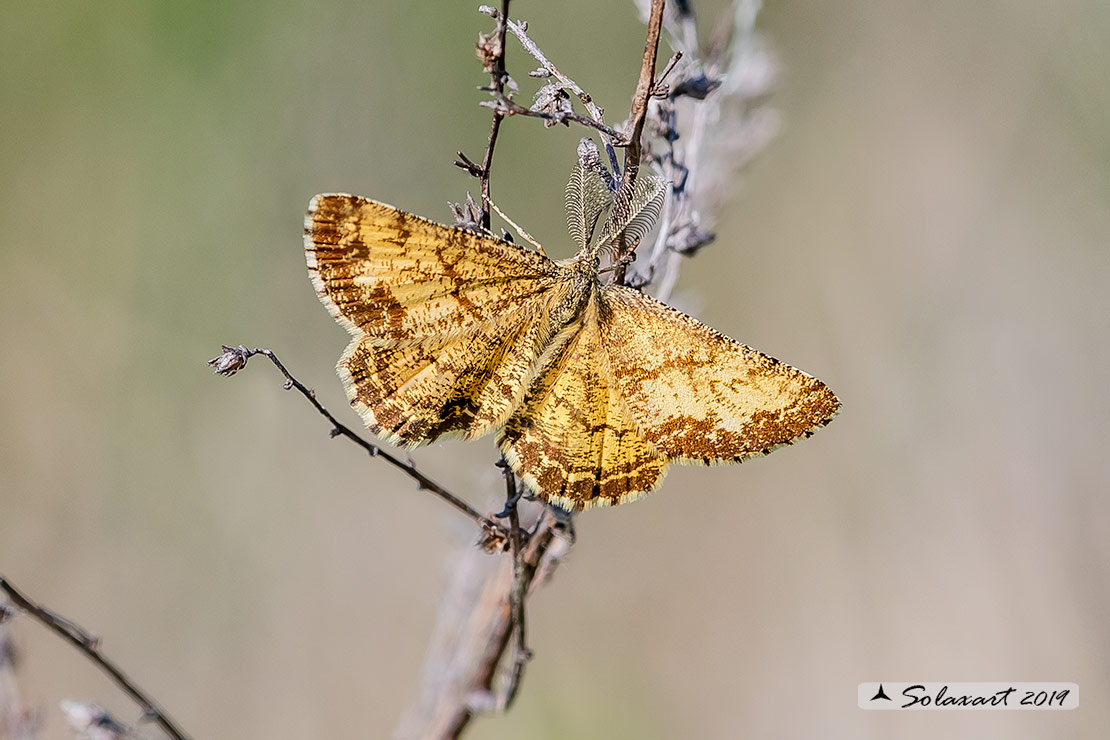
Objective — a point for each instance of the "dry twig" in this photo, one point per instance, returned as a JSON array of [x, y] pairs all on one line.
[[492, 51], [645, 87], [711, 122], [88, 644], [520, 587], [234, 359], [508, 107]]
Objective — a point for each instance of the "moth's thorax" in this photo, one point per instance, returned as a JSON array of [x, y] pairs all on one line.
[[580, 272]]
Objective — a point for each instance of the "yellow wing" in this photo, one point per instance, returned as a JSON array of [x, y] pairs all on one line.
[[413, 394], [696, 394], [447, 324], [400, 278], [572, 440]]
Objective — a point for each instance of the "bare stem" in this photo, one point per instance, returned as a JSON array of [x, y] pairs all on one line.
[[90, 646], [235, 358], [497, 80], [512, 108], [645, 86], [659, 87], [519, 589]]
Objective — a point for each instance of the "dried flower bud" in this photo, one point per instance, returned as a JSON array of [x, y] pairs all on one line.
[[231, 361], [662, 121], [589, 156], [489, 50], [588, 153], [688, 238], [468, 215], [696, 86], [494, 540], [554, 101]]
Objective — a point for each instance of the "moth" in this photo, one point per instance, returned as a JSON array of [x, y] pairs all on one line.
[[592, 388]]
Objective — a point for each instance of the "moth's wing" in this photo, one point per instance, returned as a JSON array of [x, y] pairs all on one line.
[[572, 440], [400, 278], [413, 394], [699, 396], [448, 324]]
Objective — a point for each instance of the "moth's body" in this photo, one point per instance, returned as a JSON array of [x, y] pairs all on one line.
[[593, 388], [580, 274]]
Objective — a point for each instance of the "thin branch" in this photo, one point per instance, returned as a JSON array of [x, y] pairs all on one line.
[[634, 151], [519, 589], [235, 358], [644, 88], [659, 89], [498, 74], [520, 31], [512, 108], [464, 162], [90, 646], [711, 124]]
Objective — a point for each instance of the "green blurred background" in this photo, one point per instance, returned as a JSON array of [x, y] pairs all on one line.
[[929, 234]]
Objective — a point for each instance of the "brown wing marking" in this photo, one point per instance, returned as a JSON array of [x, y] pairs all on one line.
[[698, 395], [413, 394], [401, 278], [572, 440]]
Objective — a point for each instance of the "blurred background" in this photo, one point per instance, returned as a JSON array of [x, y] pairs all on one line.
[[928, 234]]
